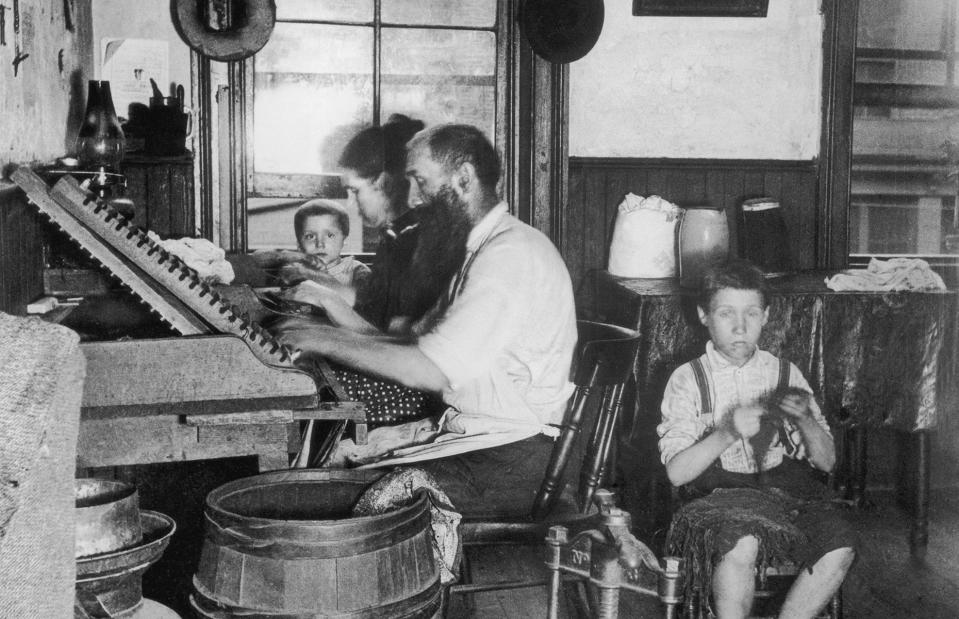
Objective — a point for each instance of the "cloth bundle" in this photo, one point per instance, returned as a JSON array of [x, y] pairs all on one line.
[[208, 260], [644, 238], [398, 488], [896, 274]]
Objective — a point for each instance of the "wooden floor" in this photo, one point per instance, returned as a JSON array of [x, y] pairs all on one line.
[[886, 582]]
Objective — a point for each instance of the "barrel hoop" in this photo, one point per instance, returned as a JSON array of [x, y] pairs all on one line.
[[319, 540], [419, 606]]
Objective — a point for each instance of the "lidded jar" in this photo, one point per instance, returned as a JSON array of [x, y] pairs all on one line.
[[703, 242]]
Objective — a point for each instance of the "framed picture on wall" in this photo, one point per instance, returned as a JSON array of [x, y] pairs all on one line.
[[702, 8]]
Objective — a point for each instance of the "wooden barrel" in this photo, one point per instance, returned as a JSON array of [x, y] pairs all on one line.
[[284, 544]]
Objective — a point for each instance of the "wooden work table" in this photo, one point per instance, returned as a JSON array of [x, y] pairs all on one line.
[[873, 360]]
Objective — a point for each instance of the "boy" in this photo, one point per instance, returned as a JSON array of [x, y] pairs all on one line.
[[321, 228], [719, 437]]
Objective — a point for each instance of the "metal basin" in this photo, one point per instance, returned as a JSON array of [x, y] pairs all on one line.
[[107, 516]]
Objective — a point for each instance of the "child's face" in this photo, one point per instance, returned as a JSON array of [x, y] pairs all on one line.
[[735, 320], [322, 237]]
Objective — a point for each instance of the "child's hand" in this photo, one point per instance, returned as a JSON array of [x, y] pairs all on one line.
[[744, 421], [293, 273], [272, 258], [794, 403]]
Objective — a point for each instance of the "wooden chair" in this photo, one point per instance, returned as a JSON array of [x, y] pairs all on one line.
[[602, 364]]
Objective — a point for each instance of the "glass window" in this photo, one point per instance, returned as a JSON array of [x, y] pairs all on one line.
[[312, 81], [449, 13], [325, 10], [901, 24], [440, 76], [330, 69], [906, 140]]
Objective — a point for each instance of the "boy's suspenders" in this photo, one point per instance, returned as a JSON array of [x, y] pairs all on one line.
[[705, 397], [692, 489]]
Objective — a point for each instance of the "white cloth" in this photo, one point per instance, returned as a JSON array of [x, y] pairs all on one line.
[[505, 343], [208, 260], [644, 238], [684, 423], [890, 275]]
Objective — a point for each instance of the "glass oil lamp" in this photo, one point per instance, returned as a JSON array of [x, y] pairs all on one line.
[[100, 141]]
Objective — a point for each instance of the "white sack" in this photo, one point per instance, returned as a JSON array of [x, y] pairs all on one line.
[[644, 238]]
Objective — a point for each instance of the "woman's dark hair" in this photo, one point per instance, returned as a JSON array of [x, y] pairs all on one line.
[[382, 150], [316, 208], [735, 274], [379, 149]]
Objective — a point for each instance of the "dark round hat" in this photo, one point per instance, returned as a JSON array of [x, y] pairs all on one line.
[[562, 31], [250, 27]]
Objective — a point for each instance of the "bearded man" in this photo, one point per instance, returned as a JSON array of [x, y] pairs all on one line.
[[497, 347]]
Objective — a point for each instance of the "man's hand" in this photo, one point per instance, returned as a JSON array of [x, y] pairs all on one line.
[[303, 334]]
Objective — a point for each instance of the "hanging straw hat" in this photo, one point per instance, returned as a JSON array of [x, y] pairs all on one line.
[[254, 24], [562, 31]]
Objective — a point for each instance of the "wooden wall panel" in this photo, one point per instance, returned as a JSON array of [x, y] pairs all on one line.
[[21, 253], [161, 189], [597, 186]]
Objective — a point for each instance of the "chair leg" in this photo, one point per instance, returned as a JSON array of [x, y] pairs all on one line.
[[555, 579], [692, 606], [580, 599], [835, 605], [608, 607]]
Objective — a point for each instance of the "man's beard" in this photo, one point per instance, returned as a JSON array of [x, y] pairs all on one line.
[[444, 228]]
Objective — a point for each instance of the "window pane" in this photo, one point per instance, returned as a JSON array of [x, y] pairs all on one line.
[[901, 24], [450, 13], [440, 76], [313, 89], [327, 10], [903, 133], [882, 71]]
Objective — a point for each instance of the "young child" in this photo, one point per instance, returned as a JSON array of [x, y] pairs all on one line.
[[321, 228], [741, 429]]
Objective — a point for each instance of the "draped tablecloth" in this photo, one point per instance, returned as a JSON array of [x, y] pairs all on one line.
[[872, 358]]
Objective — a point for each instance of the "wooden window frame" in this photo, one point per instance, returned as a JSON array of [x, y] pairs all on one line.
[[531, 120]]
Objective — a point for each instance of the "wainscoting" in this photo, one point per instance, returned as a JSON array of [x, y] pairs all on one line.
[[21, 252], [597, 186]]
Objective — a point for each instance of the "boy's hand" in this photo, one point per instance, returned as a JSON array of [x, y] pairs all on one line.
[[794, 403], [272, 258], [744, 421]]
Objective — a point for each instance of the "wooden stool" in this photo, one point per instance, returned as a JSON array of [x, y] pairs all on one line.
[[610, 558]]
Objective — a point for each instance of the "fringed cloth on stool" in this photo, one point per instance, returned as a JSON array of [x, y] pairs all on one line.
[[707, 528], [790, 530]]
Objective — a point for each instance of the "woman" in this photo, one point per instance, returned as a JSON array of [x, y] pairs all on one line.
[[413, 265], [411, 270]]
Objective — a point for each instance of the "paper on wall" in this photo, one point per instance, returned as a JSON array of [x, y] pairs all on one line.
[[129, 64]]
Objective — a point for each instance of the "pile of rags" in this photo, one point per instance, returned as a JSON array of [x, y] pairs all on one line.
[[893, 275], [208, 260]]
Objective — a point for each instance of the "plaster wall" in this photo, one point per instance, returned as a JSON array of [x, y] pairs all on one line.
[[700, 87], [44, 64], [143, 19]]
